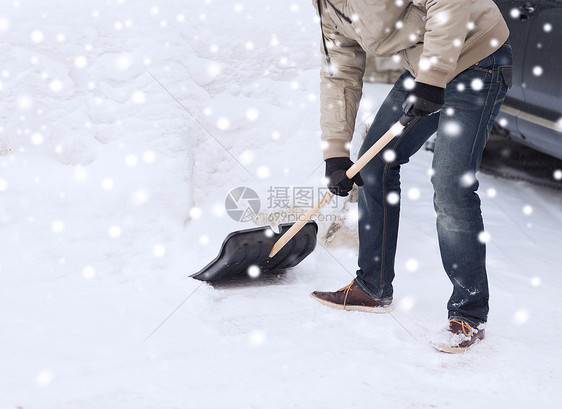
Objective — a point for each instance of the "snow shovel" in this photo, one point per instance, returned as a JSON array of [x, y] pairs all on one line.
[[255, 251]]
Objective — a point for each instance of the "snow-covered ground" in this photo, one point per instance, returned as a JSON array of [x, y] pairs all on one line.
[[124, 124]]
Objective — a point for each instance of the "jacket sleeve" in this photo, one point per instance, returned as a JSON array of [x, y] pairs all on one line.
[[446, 27], [341, 92]]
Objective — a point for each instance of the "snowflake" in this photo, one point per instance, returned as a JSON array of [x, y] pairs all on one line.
[[55, 85], [37, 36], [131, 160], [521, 317], [406, 303], [195, 212], [107, 184], [557, 174], [123, 62], [140, 196], [414, 193], [159, 250], [80, 62], [527, 210], [88, 272], [452, 128], [477, 84], [139, 97], [389, 155], [80, 174], [4, 24], [149, 157], [37, 138], [252, 114], [393, 198], [535, 281], [213, 70], [263, 172], [114, 232], [468, 179], [218, 209], [246, 157], [409, 83], [24, 102], [57, 226], [515, 12], [547, 27], [484, 237], [257, 338], [44, 378], [223, 123], [537, 70], [412, 264], [353, 214], [254, 271]]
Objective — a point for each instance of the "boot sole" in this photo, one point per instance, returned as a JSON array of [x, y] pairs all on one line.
[[383, 309], [452, 350]]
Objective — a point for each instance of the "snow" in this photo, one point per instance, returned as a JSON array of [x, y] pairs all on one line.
[[125, 124]]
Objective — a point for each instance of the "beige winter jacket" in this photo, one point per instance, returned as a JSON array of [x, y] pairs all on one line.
[[435, 39]]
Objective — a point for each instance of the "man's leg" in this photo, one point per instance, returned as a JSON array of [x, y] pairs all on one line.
[[472, 101], [378, 208], [379, 204]]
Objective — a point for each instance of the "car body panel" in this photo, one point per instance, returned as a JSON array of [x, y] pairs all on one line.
[[532, 112]]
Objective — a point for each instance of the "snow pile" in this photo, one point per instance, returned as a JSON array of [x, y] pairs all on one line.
[[124, 125]]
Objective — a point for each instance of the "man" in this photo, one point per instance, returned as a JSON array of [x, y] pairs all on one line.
[[458, 69]]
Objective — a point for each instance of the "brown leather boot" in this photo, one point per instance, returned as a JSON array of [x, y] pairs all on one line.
[[459, 337], [352, 298]]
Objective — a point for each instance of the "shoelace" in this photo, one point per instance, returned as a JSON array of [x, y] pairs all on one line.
[[347, 290], [464, 327]]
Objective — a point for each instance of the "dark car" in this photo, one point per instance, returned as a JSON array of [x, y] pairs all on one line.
[[532, 111]]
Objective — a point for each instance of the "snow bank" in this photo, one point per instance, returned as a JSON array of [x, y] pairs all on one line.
[[124, 126]]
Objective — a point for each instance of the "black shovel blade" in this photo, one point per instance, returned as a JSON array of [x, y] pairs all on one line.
[[246, 253]]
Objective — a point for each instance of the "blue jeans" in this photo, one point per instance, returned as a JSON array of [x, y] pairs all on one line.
[[472, 102]]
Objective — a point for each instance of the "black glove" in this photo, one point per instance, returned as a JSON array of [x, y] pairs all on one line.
[[423, 100], [338, 183]]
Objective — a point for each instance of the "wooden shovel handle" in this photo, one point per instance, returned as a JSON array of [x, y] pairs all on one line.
[[395, 130]]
